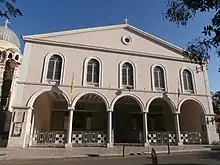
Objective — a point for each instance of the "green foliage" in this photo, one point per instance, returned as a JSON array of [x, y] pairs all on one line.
[[216, 102], [8, 9], [181, 11]]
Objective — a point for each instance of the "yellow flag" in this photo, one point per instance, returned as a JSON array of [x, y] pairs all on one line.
[[72, 83]]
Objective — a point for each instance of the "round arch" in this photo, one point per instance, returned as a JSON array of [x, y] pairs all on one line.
[[188, 99], [75, 100], [128, 119], [169, 102], [32, 99], [85, 64], [160, 114], [193, 78], [192, 121], [136, 98], [164, 75], [49, 115], [46, 63], [134, 72]]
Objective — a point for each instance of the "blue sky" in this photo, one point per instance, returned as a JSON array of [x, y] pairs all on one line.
[[42, 16]]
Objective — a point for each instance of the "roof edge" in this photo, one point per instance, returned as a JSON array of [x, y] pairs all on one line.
[[83, 30], [146, 34]]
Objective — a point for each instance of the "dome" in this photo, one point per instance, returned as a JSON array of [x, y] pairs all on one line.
[[8, 35]]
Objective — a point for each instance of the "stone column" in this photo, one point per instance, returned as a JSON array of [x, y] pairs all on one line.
[[177, 127], [109, 130], [69, 130], [32, 131], [145, 130]]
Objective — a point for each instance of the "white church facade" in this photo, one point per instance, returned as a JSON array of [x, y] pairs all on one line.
[[107, 86]]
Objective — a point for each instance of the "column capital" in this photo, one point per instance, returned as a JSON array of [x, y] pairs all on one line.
[[110, 110], [22, 108], [71, 109]]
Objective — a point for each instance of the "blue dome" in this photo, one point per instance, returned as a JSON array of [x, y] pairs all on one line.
[[7, 34]]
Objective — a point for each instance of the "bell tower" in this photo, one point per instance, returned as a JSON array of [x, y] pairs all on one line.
[[10, 61]]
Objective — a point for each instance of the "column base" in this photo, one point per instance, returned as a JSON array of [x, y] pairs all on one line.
[[179, 143], [68, 145], [147, 144], [109, 145]]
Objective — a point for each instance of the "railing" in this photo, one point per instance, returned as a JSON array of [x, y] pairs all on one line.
[[49, 139], [89, 138], [161, 138], [98, 138], [193, 137]]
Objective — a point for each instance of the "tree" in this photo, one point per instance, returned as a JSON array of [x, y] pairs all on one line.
[[181, 11], [216, 102], [8, 9]]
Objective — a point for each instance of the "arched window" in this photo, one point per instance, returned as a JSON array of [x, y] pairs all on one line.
[[127, 75], [159, 82], [54, 68], [93, 72], [187, 81]]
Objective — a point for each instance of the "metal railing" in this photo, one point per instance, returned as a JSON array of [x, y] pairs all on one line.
[[49, 139], [161, 138], [89, 138], [193, 137]]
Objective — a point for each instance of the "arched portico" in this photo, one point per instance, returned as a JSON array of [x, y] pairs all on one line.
[[89, 127], [127, 119], [134, 97], [76, 99], [192, 99], [168, 101], [49, 118], [161, 121], [192, 122], [32, 99]]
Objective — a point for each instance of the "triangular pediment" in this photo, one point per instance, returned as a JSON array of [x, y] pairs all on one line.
[[112, 37]]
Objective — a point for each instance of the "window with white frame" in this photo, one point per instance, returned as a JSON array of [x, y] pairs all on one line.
[[54, 69], [159, 82], [93, 72], [127, 75], [187, 81]]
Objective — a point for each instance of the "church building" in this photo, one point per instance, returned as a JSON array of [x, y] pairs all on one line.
[[108, 86]]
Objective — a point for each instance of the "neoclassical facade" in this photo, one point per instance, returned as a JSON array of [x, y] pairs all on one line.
[[107, 86]]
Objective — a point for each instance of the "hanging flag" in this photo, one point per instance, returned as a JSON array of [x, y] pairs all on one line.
[[178, 90], [72, 84]]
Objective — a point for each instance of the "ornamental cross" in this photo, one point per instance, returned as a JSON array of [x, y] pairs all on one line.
[[7, 22], [126, 20]]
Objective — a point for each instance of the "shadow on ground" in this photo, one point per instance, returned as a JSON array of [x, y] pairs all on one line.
[[179, 164], [93, 155], [215, 155]]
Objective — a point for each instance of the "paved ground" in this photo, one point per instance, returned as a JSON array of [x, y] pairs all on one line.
[[195, 158], [50, 153]]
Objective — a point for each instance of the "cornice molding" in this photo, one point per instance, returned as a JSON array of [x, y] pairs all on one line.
[[112, 89]]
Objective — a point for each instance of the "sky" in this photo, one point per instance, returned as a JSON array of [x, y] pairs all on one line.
[[43, 16]]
